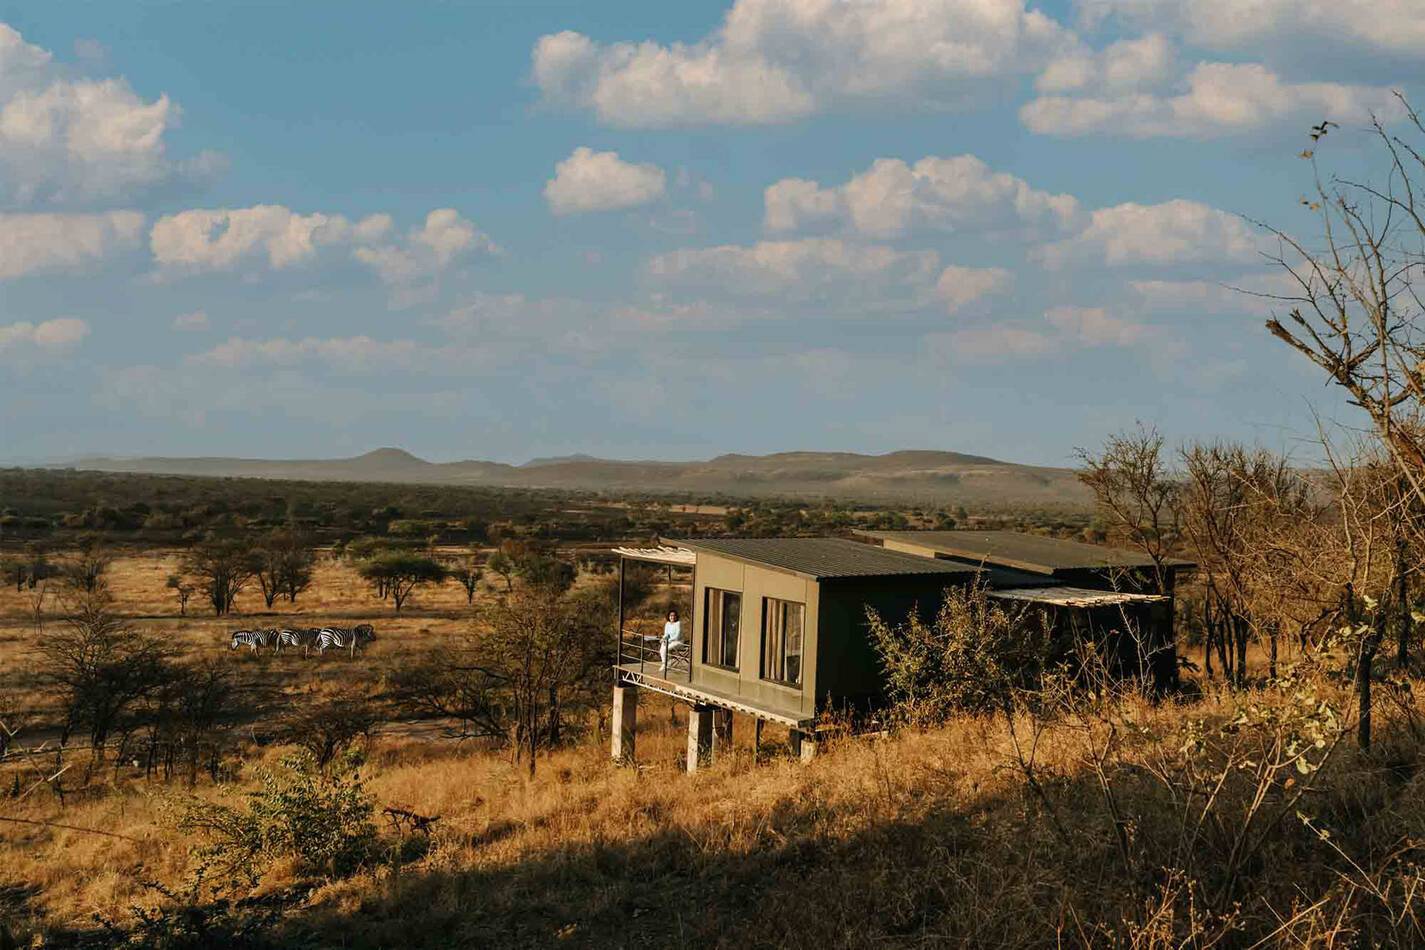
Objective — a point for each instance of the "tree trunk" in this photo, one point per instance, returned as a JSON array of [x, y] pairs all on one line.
[[1407, 622]]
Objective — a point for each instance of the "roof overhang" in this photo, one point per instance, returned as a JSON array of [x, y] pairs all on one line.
[[663, 554], [1075, 597]]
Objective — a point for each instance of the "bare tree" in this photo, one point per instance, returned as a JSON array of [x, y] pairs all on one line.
[[100, 667], [282, 564], [1133, 486]]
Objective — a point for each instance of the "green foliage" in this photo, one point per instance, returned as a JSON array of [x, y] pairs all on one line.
[[972, 657], [395, 574], [322, 818]]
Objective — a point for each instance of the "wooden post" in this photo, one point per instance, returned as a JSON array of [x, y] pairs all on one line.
[[722, 732], [618, 650], [624, 728], [803, 744], [700, 731], [757, 739]]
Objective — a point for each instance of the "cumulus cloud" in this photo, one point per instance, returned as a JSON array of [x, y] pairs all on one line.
[[1174, 232], [40, 242], [1064, 328], [1125, 66], [815, 269], [989, 344], [1249, 294], [205, 240], [412, 265], [224, 238], [1391, 26], [601, 181], [961, 286], [71, 139], [892, 198], [1095, 326], [778, 60], [1216, 99], [52, 336]]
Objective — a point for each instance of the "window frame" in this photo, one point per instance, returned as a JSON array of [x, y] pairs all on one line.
[[723, 613], [768, 605]]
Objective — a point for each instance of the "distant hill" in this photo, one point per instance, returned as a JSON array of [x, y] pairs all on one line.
[[930, 476]]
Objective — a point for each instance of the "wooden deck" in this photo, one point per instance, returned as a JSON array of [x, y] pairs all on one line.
[[650, 676]]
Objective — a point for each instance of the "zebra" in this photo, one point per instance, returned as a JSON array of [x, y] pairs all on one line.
[[254, 640], [347, 637], [304, 638]]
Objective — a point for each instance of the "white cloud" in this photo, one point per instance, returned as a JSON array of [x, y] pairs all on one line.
[[1174, 232], [778, 60], [204, 240], [601, 181], [51, 336], [1095, 326], [815, 269], [1391, 26], [989, 344], [224, 238], [196, 320], [892, 198], [40, 242], [70, 139], [1124, 66], [961, 286], [427, 250], [1217, 99]]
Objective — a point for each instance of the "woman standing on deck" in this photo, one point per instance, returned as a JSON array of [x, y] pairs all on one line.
[[672, 637]]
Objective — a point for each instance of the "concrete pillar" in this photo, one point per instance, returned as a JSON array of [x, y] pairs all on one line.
[[700, 730], [624, 727], [803, 744], [722, 732]]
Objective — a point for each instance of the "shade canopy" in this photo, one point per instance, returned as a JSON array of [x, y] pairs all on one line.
[[663, 554]]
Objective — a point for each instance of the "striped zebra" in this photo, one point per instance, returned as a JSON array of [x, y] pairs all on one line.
[[348, 638], [254, 640], [304, 638]]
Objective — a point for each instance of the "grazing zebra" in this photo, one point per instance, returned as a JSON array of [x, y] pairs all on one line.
[[254, 640], [304, 638], [344, 637]]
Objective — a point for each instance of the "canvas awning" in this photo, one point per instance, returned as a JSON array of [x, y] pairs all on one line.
[[1075, 597], [663, 554]]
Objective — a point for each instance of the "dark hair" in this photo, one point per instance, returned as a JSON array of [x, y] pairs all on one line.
[[673, 612]]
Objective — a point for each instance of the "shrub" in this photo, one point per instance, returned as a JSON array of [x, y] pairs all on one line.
[[972, 657], [322, 818]]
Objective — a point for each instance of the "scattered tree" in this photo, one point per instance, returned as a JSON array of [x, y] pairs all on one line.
[[396, 574], [222, 567]]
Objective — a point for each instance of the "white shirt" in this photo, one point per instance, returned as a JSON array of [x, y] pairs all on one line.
[[673, 631]]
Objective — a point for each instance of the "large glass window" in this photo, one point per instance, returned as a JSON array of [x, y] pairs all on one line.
[[722, 616], [782, 640]]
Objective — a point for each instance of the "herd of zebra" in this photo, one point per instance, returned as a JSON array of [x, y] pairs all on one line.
[[322, 638]]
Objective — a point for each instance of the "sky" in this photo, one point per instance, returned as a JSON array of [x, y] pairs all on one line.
[[665, 230]]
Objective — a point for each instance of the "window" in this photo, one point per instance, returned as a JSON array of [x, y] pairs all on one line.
[[782, 641], [722, 616]]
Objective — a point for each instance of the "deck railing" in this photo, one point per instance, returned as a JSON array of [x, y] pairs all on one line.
[[638, 646]]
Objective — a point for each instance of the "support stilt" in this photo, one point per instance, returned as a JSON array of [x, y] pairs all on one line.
[[803, 744], [624, 727], [722, 732], [700, 730]]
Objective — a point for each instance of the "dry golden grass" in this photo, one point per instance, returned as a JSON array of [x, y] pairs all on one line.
[[923, 838]]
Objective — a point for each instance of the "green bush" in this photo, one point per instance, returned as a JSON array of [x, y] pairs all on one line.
[[972, 657], [322, 818]]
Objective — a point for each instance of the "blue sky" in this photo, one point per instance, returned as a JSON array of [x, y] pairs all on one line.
[[507, 230]]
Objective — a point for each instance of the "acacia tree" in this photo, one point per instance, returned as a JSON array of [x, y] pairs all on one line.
[[468, 572], [282, 564], [396, 574], [222, 567], [100, 668]]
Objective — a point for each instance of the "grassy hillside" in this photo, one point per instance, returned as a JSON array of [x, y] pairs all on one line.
[[941, 477]]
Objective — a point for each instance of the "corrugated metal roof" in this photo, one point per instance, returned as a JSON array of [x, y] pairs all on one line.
[[826, 558], [1029, 552], [676, 557], [1076, 597]]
